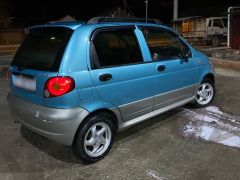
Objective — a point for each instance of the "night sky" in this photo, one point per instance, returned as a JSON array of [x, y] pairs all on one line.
[[84, 10]]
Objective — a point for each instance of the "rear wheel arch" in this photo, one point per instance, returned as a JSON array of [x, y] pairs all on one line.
[[98, 111], [107, 111], [95, 136]]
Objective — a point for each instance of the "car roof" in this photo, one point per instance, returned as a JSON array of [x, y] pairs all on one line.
[[70, 25], [75, 25]]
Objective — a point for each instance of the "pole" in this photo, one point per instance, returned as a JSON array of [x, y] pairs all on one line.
[[175, 9], [125, 8], [146, 1]]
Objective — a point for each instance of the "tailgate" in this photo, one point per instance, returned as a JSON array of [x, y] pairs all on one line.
[[38, 59], [28, 84]]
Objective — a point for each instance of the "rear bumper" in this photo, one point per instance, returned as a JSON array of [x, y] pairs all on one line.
[[58, 125]]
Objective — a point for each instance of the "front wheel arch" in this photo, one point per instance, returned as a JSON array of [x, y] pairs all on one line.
[[209, 76]]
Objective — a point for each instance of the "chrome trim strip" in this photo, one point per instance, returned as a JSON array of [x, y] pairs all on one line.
[[193, 85], [136, 101]]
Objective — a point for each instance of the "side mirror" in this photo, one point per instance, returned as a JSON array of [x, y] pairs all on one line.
[[186, 54]]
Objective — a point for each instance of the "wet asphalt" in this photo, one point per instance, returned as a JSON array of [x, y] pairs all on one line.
[[159, 148]]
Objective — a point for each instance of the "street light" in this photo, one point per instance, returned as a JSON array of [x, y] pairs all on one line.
[[175, 9], [146, 1]]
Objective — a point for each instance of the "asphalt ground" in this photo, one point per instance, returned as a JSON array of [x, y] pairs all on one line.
[[174, 145]]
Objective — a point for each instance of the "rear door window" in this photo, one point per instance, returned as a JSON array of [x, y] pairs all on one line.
[[42, 49], [115, 48]]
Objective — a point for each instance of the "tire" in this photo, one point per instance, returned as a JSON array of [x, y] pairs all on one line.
[[215, 41], [205, 94], [94, 138]]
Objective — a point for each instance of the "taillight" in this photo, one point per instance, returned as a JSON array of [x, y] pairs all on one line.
[[58, 86], [8, 73]]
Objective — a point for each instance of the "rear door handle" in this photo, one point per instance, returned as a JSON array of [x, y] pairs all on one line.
[[105, 77], [161, 68]]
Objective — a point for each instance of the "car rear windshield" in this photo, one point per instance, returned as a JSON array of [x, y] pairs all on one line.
[[43, 49]]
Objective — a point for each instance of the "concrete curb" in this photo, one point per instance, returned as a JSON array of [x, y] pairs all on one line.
[[227, 64]]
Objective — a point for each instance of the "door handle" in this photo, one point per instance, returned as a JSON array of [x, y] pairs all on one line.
[[161, 68], [105, 77]]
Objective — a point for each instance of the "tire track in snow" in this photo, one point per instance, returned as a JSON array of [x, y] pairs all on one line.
[[211, 124]]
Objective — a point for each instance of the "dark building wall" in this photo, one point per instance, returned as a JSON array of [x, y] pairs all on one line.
[[4, 9], [14, 36], [235, 31]]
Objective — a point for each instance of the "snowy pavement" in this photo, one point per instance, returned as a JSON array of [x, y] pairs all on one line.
[[211, 124]]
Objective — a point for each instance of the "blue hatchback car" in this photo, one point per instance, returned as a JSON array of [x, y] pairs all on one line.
[[78, 84]]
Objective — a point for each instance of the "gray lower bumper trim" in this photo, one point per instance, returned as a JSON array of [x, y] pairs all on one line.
[[58, 125]]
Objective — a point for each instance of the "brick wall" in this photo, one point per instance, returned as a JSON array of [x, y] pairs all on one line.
[[14, 36]]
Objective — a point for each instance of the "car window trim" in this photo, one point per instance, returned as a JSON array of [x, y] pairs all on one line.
[[159, 28], [59, 54], [181, 42], [109, 28], [93, 53]]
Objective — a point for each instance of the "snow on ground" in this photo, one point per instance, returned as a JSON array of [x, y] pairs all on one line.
[[211, 124], [155, 175]]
